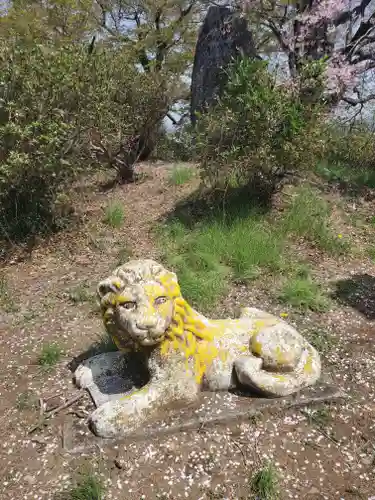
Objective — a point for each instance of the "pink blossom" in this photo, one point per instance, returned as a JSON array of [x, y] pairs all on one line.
[[339, 74]]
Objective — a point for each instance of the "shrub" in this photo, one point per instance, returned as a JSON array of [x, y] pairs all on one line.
[[257, 127], [60, 109], [304, 294], [352, 147], [50, 355], [181, 174], [36, 156]]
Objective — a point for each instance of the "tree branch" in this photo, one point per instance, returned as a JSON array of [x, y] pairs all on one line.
[[360, 100], [348, 15]]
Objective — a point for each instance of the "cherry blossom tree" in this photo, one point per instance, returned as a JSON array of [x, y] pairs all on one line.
[[339, 32]]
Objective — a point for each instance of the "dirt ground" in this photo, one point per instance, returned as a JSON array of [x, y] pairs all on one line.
[[329, 454]]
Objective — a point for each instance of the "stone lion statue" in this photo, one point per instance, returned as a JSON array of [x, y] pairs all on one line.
[[185, 352]]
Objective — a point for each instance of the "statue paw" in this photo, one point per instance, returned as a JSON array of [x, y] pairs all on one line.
[[112, 419], [83, 377]]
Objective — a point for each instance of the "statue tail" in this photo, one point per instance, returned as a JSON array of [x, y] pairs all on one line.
[[250, 374]]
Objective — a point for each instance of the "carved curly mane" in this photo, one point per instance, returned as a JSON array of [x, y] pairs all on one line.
[[187, 333]]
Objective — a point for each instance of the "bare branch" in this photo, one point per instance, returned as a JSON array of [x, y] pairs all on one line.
[[348, 15], [355, 102]]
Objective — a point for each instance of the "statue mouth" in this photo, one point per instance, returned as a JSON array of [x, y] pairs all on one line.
[[150, 341]]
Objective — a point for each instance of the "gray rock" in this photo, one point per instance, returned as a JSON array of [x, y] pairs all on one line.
[[224, 35]]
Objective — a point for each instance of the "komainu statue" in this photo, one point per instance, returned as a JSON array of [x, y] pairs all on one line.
[[184, 352]]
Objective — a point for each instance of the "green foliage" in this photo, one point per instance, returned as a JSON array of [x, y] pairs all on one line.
[[26, 401], [35, 135], [81, 294], [89, 487], [214, 251], [114, 215], [265, 483], [123, 254], [304, 294], [347, 174], [320, 417], [350, 154], [176, 147], [50, 355], [63, 110], [6, 300], [257, 126], [321, 340], [308, 216], [181, 174]]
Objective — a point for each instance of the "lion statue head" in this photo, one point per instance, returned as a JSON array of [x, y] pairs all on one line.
[[138, 303]]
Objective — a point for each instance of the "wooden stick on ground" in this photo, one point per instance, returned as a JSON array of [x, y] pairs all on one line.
[[46, 416]]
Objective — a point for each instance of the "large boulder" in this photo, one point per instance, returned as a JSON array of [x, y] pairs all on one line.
[[224, 35]]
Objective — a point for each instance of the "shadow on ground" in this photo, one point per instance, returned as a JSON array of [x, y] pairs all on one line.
[[105, 344], [357, 292], [220, 204]]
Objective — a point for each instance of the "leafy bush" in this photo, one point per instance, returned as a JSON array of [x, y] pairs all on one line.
[[351, 147], [36, 134], [63, 110], [257, 127]]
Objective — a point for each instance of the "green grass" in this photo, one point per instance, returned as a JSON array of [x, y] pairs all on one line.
[[50, 355], [321, 340], [89, 487], [265, 483], [308, 217], [320, 417], [26, 401], [180, 175], [81, 294], [371, 252], [207, 257], [114, 215], [6, 300], [338, 172], [304, 294], [123, 255], [241, 243]]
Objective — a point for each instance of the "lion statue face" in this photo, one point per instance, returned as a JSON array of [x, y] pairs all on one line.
[[137, 302]]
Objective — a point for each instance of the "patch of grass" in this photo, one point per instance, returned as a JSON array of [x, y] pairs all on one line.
[[89, 487], [114, 215], [308, 217], [320, 417], [207, 257], [123, 255], [338, 172], [304, 293], [371, 252], [6, 300], [26, 401], [265, 483], [50, 355], [321, 340], [180, 174], [30, 315], [81, 294]]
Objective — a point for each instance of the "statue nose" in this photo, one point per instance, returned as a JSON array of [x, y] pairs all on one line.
[[148, 321]]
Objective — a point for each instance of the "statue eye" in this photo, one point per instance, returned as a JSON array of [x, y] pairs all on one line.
[[128, 305], [161, 300]]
